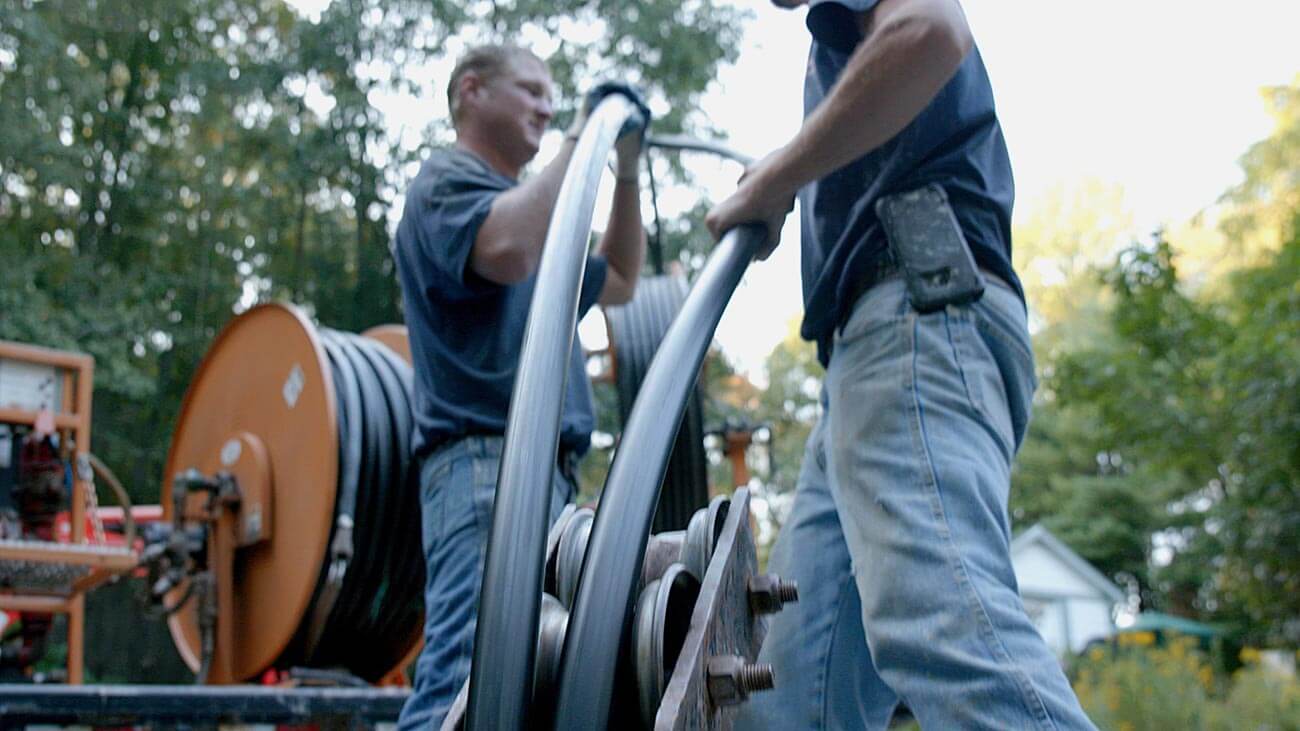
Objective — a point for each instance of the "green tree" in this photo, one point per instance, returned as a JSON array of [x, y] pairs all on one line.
[[790, 405], [1203, 394], [163, 167], [1163, 441], [1090, 497], [1261, 209], [1065, 235], [115, 196]]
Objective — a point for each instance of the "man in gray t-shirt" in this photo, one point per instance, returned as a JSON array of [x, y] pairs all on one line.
[[467, 251], [899, 535]]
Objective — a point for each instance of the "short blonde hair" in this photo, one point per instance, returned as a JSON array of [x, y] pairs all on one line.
[[488, 61]]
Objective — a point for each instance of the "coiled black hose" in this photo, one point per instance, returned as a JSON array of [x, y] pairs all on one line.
[[638, 329], [368, 598], [600, 618]]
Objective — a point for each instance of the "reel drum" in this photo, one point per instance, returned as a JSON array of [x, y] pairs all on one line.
[[265, 407], [635, 331]]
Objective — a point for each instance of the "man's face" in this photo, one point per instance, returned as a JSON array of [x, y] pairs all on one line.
[[515, 107]]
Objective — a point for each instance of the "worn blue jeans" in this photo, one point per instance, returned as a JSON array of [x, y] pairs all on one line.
[[899, 536], [457, 488]]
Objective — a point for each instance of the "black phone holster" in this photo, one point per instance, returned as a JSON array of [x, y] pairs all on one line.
[[927, 244]]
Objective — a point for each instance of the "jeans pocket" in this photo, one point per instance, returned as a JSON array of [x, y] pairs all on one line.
[[1007, 342], [435, 489], [879, 307], [982, 376], [484, 490]]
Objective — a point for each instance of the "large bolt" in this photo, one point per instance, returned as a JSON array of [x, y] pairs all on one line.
[[768, 593], [731, 679]]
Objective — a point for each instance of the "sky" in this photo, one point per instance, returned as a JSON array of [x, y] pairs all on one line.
[[1160, 97]]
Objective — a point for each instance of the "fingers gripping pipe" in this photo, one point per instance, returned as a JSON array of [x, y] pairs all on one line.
[[502, 670]]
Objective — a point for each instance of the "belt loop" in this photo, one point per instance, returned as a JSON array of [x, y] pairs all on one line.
[[883, 268]]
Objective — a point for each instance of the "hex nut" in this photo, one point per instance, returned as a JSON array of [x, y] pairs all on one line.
[[769, 593], [731, 679]]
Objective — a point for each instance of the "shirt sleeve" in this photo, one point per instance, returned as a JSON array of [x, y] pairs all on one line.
[[450, 209], [593, 281], [834, 23]]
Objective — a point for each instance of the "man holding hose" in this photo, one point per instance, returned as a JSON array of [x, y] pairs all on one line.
[[899, 535], [467, 251]]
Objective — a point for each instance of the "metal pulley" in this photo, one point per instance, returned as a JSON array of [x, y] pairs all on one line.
[[663, 617], [702, 534], [694, 632], [569, 552]]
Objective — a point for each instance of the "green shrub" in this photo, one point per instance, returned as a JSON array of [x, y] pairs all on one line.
[[1259, 701], [1135, 685]]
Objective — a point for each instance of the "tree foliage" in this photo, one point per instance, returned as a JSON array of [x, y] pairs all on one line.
[[1192, 410], [1261, 209], [1205, 394], [164, 166], [790, 405], [1164, 442]]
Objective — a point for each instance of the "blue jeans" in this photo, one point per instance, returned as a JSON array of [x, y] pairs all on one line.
[[457, 487], [899, 536]]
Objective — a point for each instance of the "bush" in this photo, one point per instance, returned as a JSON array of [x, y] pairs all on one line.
[[1259, 701], [1135, 685]]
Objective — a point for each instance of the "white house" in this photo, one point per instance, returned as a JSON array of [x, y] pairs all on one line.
[[1069, 601]]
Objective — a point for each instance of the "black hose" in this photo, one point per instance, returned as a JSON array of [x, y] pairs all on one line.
[[637, 329], [369, 592], [600, 619], [501, 676], [657, 240]]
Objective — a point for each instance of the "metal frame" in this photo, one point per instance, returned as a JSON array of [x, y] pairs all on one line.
[[72, 421], [104, 705], [723, 623]]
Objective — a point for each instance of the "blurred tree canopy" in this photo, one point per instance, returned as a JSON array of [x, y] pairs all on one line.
[[1198, 404], [165, 166], [1164, 441]]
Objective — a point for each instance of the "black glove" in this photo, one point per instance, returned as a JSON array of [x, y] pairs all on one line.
[[639, 122]]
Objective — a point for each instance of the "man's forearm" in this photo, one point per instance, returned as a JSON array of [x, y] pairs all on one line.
[[911, 49], [623, 244]]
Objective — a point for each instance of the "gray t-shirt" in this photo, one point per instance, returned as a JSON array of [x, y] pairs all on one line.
[[956, 141], [465, 331]]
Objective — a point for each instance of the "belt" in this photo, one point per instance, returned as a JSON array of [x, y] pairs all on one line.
[[566, 458], [884, 268]]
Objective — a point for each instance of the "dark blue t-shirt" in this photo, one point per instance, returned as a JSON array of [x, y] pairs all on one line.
[[465, 331], [956, 141]]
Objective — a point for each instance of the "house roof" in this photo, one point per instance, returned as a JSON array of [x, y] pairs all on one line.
[[1158, 621], [1040, 536]]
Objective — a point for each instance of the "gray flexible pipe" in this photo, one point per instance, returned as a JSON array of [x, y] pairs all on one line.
[[601, 613], [693, 144], [505, 638]]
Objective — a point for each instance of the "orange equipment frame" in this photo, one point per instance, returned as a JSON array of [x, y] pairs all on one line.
[[72, 422]]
